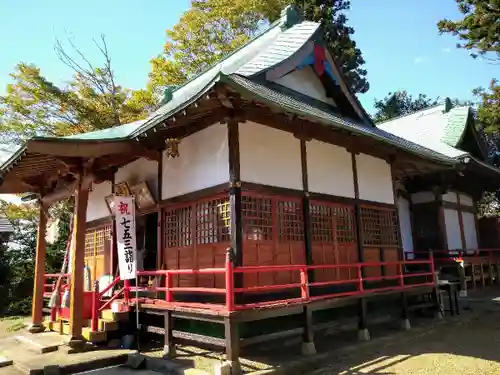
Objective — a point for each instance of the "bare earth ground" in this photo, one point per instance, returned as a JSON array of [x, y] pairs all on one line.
[[466, 348]]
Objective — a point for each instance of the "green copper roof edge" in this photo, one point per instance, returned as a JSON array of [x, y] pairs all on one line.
[[148, 125], [454, 137], [442, 159]]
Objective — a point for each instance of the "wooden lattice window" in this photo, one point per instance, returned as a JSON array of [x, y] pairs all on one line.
[[290, 219], [332, 222], [379, 226], [257, 215], [203, 222], [95, 239]]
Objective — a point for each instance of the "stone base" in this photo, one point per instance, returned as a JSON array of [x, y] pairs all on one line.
[[308, 348], [227, 368], [363, 334], [439, 315], [405, 324], [36, 328], [169, 351], [462, 293], [76, 345]]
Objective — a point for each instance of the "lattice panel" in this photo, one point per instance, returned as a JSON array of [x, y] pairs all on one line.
[[100, 235], [331, 222], [213, 221], [379, 226], [257, 216], [290, 219], [204, 222]]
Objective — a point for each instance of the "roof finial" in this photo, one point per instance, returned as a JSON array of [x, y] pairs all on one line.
[[290, 16], [168, 93]]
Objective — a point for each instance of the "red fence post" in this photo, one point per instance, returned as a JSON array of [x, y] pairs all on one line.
[[95, 307], [400, 274], [126, 290], [360, 278], [229, 273], [433, 271], [168, 286], [304, 284]]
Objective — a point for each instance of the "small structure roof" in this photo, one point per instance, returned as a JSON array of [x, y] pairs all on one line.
[[440, 128]]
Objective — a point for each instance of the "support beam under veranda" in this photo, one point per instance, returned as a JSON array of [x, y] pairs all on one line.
[[39, 284]]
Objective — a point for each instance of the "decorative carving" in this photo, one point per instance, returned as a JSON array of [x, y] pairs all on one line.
[[143, 197], [172, 147]]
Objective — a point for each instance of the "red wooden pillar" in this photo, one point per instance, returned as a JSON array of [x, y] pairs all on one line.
[[77, 264], [37, 307]]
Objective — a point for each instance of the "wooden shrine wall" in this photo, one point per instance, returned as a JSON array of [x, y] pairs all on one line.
[[197, 235], [98, 250]]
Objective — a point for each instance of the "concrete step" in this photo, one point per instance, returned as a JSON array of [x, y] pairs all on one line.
[[114, 316], [40, 343], [5, 361]]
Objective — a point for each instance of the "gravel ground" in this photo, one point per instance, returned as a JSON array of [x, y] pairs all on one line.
[[461, 348]]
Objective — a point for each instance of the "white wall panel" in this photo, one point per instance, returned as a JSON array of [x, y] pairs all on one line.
[[374, 179], [203, 163], [453, 236], [329, 169], [469, 221], [465, 200], [306, 82], [138, 171], [269, 156], [96, 207], [405, 224]]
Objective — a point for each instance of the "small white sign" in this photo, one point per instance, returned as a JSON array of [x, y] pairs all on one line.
[[125, 236]]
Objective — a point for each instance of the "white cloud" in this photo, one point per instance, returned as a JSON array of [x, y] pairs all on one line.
[[419, 59]]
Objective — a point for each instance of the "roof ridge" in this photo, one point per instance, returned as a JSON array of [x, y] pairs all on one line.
[[276, 23], [410, 114]]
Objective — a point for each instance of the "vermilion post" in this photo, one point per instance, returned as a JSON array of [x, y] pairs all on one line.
[[126, 290], [168, 286], [229, 281], [400, 272], [433, 272], [360, 278], [304, 287], [95, 307]]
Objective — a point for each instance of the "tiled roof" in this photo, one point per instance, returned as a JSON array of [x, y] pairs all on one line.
[[433, 128], [293, 105]]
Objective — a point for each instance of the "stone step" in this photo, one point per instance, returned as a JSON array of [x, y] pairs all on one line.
[[40, 343], [114, 316], [5, 361]]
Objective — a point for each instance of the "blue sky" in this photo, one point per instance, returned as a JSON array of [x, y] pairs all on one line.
[[399, 40]]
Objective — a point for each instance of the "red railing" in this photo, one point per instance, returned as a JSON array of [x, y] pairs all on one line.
[[457, 255], [305, 290]]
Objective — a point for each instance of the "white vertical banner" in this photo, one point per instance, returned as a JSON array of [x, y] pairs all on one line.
[[125, 236]]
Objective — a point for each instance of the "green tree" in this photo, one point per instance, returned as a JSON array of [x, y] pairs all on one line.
[[478, 32], [211, 29], [400, 103], [91, 100]]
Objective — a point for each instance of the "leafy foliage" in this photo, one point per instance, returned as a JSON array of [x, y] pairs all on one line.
[[400, 103], [478, 29], [212, 29], [92, 100], [17, 256]]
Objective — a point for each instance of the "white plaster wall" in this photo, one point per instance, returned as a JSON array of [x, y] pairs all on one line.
[[469, 222], [374, 179], [422, 197], [269, 156], [138, 171], [452, 229], [203, 163], [329, 169], [450, 197], [97, 207], [466, 200], [306, 82], [405, 225]]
